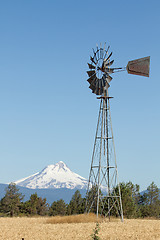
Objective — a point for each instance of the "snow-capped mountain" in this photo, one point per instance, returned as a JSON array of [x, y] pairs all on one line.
[[54, 176]]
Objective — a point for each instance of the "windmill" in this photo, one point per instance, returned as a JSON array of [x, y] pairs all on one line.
[[104, 193]]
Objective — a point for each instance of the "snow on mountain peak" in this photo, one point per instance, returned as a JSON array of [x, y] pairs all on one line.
[[58, 166], [61, 164], [54, 176]]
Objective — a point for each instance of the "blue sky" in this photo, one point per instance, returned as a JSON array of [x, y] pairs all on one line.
[[47, 112]]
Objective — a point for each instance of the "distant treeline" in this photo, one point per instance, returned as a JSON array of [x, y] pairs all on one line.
[[135, 204]]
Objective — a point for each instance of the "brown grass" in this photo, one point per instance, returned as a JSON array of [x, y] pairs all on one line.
[[38, 229], [81, 218]]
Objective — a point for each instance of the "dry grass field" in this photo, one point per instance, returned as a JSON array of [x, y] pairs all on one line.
[[41, 229]]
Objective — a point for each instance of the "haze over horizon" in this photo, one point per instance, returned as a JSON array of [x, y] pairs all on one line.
[[48, 113]]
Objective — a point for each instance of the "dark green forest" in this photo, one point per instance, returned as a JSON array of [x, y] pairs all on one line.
[[135, 204]]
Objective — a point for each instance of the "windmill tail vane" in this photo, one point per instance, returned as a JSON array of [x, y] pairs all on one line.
[[139, 66]]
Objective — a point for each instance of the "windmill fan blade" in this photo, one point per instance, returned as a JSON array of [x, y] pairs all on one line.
[[96, 87], [92, 87], [103, 81], [92, 59], [90, 80], [97, 84], [109, 63], [97, 91], [108, 56], [107, 85], [101, 87], [101, 53], [101, 91], [93, 83], [90, 73], [91, 66], [97, 52], [106, 52], [108, 78], [100, 83], [109, 70]]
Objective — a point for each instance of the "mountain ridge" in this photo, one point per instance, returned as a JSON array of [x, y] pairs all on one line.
[[50, 194]]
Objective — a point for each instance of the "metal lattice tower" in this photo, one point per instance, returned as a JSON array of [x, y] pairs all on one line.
[[103, 173], [103, 193]]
